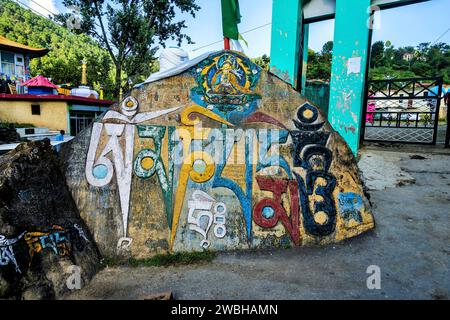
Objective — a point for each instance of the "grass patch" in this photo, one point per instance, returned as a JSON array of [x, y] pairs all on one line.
[[14, 125], [111, 262], [167, 259], [179, 258]]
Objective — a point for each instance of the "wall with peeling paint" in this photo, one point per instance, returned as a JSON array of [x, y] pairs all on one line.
[[224, 156], [348, 72], [285, 40]]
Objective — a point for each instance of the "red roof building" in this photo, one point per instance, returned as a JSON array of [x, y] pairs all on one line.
[[40, 85], [39, 81]]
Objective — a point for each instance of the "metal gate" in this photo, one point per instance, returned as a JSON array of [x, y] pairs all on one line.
[[403, 110]]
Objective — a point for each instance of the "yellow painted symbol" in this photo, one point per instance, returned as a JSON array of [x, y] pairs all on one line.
[[308, 114], [205, 171], [189, 117], [147, 163], [321, 217]]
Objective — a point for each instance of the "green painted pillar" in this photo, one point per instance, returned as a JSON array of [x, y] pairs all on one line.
[[305, 56], [285, 51], [348, 71]]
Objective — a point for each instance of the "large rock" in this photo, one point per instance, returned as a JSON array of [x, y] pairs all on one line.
[[264, 168], [8, 135], [42, 237]]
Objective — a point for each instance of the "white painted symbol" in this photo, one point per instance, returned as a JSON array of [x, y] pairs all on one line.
[[6, 251], [220, 211], [99, 172], [124, 243], [129, 112], [80, 232], [200, 207]]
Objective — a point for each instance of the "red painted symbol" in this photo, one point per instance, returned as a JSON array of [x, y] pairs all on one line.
[[261, 117], [269, 211]]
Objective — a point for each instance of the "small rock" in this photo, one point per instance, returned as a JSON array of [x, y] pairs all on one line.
[[417, 157], [159, 296]]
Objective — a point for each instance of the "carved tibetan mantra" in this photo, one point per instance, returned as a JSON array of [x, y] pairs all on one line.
[[222, 156]]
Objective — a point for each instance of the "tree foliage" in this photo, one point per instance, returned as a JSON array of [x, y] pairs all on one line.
[[425, 60], [319, 63], [130, 30], [63, 63], [386, 61], [263, 62]]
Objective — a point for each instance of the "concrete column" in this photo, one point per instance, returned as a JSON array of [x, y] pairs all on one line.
[[305, 56], [285, 48], [349, 67]]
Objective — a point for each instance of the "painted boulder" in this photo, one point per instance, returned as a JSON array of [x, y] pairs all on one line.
[[218, 155], [46, 250]]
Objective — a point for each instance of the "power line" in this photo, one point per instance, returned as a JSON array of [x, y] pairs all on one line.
[[35, 11], [247, 31], [54, 14], [441, 36], [256, 28], [38, 13], [207, 45]]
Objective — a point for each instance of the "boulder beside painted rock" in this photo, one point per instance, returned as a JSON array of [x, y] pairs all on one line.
[[8, 135], [44, 244], [222, 156]]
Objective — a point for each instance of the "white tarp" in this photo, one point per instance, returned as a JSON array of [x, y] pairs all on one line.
[[172, 57]]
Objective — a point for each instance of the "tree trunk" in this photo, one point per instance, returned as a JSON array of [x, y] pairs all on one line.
[[118, 83]]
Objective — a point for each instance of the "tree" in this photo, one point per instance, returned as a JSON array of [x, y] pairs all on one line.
[[386, 61], [425, 60], [128, 30], [327, 54], [263, 62], [377, 54], [327, 48], [319, 64], [389, 53]]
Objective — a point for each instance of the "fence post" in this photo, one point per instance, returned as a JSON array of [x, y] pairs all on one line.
[[447, 136]]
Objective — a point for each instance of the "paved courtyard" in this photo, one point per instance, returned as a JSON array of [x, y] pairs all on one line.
[[411, 245]]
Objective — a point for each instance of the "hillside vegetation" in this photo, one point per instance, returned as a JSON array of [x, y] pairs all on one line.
[[386, 61], [67, 50]]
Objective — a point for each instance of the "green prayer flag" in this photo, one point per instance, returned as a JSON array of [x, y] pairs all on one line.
[[231, 16]]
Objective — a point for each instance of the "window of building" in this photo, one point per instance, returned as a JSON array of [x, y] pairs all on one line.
[[36, 109], [79, 120], [7, 63], [20, 65]]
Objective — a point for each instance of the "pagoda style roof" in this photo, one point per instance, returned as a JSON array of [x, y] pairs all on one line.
[[12, 46], [39, 81]]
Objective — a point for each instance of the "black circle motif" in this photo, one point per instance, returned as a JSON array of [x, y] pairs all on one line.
[[301, 113]]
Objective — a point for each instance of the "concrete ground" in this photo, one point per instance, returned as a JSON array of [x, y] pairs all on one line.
[[411, 245]]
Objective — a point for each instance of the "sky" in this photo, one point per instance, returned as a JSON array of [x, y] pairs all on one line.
[[404, 26]]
